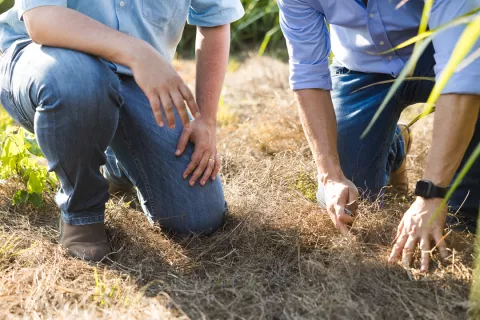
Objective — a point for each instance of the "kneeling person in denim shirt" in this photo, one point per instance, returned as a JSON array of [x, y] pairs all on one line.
[[336, 108], [90, 75]]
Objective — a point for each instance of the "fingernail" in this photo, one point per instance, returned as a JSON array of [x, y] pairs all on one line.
[[177, 152], [197, 115], [203, 183], [192, 183], [162, 124], [172, 126], [184, 176], [213, 179]]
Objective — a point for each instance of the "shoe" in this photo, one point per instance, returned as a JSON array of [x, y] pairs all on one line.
[[87, 242], [399, 178]]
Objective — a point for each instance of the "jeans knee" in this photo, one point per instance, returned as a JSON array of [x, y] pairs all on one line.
[[203, 215], [80, 85], [76, 93]]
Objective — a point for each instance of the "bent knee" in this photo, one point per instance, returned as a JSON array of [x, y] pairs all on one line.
[[66, 77], [197, 223]]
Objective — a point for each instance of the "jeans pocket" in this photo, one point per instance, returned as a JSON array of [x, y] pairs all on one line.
[[163, 12]]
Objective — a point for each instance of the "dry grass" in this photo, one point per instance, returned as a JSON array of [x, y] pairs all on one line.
[[278, 257]]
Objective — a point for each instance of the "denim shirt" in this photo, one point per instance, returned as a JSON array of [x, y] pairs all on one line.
[[359, 33], [158, 22]]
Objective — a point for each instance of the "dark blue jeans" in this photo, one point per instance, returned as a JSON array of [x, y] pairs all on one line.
[[368, 162], [77, 107]]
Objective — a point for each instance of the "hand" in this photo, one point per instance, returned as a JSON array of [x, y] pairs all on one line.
[[338, 194], [163, 87], [205, 161], [416, 227]]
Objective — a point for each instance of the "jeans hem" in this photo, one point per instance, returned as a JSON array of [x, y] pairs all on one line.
[[91, 219]]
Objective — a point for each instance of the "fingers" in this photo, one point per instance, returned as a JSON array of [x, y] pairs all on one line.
[[189, 99], [409, 250], [398, 247], [216, 170], [342, 215], [440, 243], [167, 105], [183, 140], [155, 103], [196, 158], [202, 166], [208, 171], [424, 253], [181, 107], [340, 219]]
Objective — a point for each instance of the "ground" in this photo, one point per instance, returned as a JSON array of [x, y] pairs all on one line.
[[278, 257]]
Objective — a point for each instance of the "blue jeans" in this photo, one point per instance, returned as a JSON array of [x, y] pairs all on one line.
[[77, 107], [368, 162]]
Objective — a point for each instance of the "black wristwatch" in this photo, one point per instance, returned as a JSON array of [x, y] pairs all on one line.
[[427, 190]]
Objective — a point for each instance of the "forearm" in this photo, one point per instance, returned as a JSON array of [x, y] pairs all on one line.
[[320, 126], [66, 28], [454, 125], [212, 52]]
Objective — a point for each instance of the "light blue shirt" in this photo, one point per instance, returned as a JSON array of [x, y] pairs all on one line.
[[358, 34], [158, 22]]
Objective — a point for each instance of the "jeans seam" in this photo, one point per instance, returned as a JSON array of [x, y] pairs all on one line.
[[143, 177]]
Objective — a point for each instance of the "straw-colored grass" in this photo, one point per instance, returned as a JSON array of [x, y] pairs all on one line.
[[278, 257]]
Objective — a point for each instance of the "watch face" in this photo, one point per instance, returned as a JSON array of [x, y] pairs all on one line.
[[423, 189]]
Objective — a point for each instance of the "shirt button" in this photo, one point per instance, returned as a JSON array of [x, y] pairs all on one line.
[[122, 3], [390, 57], [372, 15], [382, 43]]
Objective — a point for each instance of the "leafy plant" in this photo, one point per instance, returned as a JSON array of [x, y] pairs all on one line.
[[20, 157]]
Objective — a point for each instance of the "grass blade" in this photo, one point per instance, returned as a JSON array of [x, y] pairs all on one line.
[[462, 48], [417, 53], [470, 162], [393, 80]]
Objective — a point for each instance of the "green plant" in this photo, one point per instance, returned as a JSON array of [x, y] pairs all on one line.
[[20, 157]]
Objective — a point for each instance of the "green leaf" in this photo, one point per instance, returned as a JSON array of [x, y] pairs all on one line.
[[35, 199], [36, 182], [20, 197], [32, 145]]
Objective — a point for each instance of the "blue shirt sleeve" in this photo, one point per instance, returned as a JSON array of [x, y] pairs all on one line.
[[467, 80], [212, 13], [26, 5], [308, 44]]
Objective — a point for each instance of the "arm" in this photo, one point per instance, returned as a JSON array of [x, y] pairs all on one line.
[[212, 51], [454, 124], [320, 126], [308, 46], [213, 18], [58, 26]]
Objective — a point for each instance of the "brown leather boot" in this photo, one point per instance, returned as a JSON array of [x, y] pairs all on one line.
[[399, 178], [88, 242]]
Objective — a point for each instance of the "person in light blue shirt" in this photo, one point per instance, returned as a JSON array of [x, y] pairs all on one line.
[[359, 32], [87, 75]]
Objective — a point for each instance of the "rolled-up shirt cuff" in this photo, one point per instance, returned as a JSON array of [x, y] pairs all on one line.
[[26, 5], [310, 76], [219, 18], [465, 81]]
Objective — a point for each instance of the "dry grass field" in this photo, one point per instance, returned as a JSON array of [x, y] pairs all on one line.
[[278, 256]]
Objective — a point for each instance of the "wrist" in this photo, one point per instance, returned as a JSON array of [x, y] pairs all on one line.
[[330, 173], [209, 121], [137, 52]]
